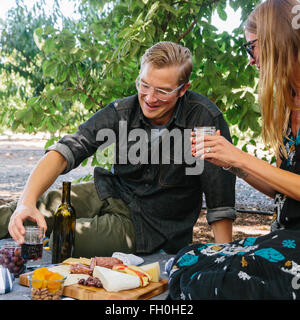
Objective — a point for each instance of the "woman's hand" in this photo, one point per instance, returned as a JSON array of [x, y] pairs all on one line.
[[216, 149]]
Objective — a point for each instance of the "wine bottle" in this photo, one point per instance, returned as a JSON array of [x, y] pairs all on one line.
[[64, 227]]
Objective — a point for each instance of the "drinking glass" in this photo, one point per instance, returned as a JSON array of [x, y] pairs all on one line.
[[32, 248], [201, 131], [10, 258]]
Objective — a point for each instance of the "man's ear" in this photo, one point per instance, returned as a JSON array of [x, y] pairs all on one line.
[[183, 90]]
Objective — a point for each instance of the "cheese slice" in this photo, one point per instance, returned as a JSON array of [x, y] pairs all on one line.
[[134, 271], [115, 281], [153, 269], [62, 269], [73, 278]]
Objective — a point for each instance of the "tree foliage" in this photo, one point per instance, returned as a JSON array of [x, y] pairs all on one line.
[[54, 77]]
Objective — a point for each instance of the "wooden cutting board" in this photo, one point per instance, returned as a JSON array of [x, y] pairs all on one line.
[[80, 292]]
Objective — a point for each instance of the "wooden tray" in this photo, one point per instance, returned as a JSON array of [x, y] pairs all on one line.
[[80, 292]]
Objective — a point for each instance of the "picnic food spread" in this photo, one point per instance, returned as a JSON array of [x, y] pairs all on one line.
[[82, 277], [109, 270]]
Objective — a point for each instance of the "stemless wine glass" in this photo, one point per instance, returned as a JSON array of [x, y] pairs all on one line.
[[201, 131], [32, 248]]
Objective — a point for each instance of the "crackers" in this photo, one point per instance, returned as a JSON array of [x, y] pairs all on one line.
[[80, 260]]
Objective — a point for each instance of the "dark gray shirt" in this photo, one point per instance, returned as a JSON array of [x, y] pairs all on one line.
[[165, 202]]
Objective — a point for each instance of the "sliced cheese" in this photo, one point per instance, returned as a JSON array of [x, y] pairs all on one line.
[[73, 278], [115, 281], [63, 269], [153, 269], [134, 271]]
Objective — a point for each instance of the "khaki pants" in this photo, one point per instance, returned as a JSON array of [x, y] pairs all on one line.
[[102, 227]]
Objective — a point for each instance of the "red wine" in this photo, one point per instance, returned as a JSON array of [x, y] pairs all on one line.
[[32, 251]]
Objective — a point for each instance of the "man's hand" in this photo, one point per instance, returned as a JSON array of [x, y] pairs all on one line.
[[22, 213]]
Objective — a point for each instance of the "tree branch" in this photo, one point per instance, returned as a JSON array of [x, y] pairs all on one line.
[[81, 89], [190, 28]]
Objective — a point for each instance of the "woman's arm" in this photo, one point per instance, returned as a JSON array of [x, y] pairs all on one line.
[[261, 175], [261, 185], [277, 179]]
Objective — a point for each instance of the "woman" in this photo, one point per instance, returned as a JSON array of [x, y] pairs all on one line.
[[266, 267]]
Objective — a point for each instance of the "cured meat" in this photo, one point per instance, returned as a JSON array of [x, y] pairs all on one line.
[[106, 262], [81, 268]]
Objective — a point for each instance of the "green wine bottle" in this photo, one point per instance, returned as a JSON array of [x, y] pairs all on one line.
[[64, 227]]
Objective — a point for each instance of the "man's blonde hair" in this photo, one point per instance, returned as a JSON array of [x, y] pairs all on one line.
[[168, 54]]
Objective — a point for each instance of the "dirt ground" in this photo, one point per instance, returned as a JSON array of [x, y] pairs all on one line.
[[246, 225], [20, 153]]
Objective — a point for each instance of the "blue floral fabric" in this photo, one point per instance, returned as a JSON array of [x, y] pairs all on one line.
[[286, 210], [266, 267]]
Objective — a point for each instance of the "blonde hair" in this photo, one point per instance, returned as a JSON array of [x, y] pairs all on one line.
[[279, 56], [167, 54]]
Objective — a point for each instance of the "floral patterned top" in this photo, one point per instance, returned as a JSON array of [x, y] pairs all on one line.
[[287, 210]]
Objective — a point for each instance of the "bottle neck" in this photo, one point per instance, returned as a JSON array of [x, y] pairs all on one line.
[[66, 190]]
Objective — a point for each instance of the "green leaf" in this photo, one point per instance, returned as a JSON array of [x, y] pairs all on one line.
[[250, 98], [37, 37], [32, 101], [235, 139], [49, 45], [50, 142], [152, 10], [169, 9], [49, 68], [253, 142], [20, 115], [222, 13], [244, 148]]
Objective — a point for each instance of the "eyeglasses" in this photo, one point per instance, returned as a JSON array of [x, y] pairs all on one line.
[[250, 47], [159, 94]]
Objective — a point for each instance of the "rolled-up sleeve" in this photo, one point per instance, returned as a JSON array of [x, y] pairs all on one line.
[[219, 185], [66, 153], [216, 214]]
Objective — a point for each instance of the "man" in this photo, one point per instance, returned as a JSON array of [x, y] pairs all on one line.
[[143, 206]]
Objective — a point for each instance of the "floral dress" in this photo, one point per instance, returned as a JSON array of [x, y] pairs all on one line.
[[265, 267], [287, 210]]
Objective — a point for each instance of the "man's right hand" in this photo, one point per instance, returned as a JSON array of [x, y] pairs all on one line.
[[22, 213]]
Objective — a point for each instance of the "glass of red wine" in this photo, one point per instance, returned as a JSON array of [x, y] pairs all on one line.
[[32, 248]]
